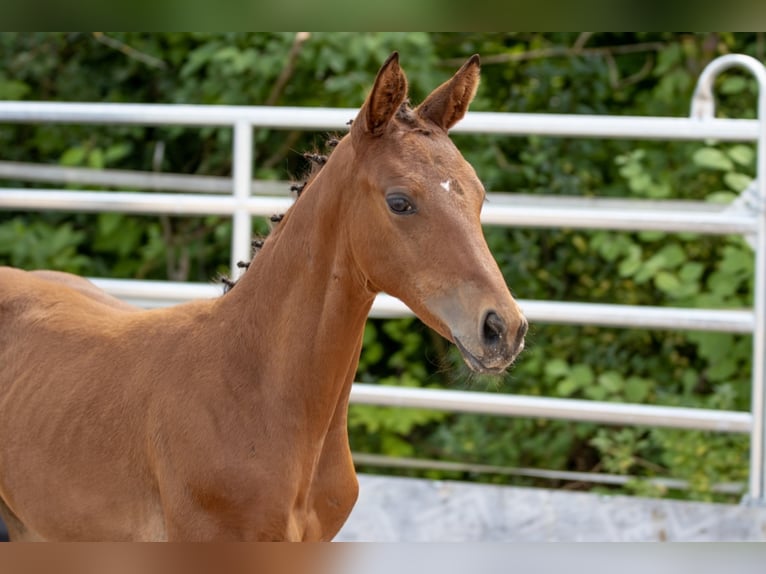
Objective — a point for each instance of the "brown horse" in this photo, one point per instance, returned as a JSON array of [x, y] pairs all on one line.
[[226, 418]]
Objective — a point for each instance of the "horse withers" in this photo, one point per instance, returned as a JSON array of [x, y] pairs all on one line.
[[226, 418]]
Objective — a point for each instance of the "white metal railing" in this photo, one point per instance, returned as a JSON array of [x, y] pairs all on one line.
[[503, 209]]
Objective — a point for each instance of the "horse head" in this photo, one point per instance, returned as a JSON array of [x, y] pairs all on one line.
[[414, 217]]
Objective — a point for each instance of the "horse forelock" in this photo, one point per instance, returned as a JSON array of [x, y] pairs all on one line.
[[407, 116]]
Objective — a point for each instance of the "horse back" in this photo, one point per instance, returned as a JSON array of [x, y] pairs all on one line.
[[16, 284], [84, 287]]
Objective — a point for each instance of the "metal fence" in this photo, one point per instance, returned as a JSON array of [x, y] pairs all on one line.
[[246, 199]]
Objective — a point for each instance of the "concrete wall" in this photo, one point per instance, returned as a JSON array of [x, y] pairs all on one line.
[[413, 510]]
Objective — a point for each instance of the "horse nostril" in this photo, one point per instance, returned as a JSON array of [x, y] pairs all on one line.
[[521, 333], [494, 329]]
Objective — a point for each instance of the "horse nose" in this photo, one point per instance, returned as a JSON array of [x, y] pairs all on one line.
[[495, 330]]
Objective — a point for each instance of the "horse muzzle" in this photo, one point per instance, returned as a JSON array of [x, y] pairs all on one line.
[[496, 344]]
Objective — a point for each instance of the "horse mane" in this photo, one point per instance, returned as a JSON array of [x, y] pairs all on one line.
[[405, 115], [316, 162]]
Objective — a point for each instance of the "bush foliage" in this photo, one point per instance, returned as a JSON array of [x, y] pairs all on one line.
[[621, 74]]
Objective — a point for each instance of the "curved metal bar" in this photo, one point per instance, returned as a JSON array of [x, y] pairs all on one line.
[[703, 109]]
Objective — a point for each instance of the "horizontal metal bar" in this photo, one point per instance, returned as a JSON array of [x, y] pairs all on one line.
[[552, 408], [149, 294], [498, 211], [163, 293], [625, 219], [603, 126], [139, 203], [639, 316], [278, 117], [133, 179], [546, 474], [609, 315], [160, 293]]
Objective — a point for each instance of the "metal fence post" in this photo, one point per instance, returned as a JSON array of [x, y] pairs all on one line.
[[758, 465], [703, 108], [242, 174]]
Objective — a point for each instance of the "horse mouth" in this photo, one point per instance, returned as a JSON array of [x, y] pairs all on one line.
[[481, 365]]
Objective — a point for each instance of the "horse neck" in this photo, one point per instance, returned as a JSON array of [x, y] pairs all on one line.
[[298, 313]]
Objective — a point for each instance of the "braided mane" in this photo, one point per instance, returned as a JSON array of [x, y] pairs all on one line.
[[316, 163]]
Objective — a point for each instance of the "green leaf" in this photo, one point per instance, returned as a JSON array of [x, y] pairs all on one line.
[[556, 368], [611, 381], [582, 374], [742, 154], [737, 181], [108, 223], [12, 89], [722, 197], [96, 159], [733, 85], [659, 190], [73, 156], [723, 369], [567, 387], [116, 152], [667, 281], [629, 267], [650, 267], [691, 271], [712, 158], [637, 389], [721, 285], [736, 259], [632, 263], [595, 393], [673, 255]]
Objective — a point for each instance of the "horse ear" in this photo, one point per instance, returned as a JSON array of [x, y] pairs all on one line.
[[387, 95], [448, 103]]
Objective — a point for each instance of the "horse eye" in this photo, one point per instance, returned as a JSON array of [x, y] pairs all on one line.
[[400, 204]]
